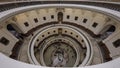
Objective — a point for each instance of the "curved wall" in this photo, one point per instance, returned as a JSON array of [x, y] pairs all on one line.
[[23, 16]]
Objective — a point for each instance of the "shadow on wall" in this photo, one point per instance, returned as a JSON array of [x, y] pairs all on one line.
[[12, 29], [107, 31]]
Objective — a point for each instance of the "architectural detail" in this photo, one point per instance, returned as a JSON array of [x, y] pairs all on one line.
[[60, 33]]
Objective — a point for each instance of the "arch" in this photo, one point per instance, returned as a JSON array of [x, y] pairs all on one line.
[[14, 30], [107, 31], [60, 16]]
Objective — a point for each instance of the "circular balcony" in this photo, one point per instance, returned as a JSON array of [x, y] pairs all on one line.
[[60, 34]]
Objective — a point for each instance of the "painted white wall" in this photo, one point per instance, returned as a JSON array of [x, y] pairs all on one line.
[[30, 15], [101, 20], [7, 62], [114, 52], [85, 14], [12, 41], [21, 19]]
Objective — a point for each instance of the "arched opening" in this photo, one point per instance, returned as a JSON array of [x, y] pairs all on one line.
[[11, 28], [60, 16], [14, 30], [107, 31]]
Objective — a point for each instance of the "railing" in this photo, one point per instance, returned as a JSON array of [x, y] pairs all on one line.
[[12, 5]]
